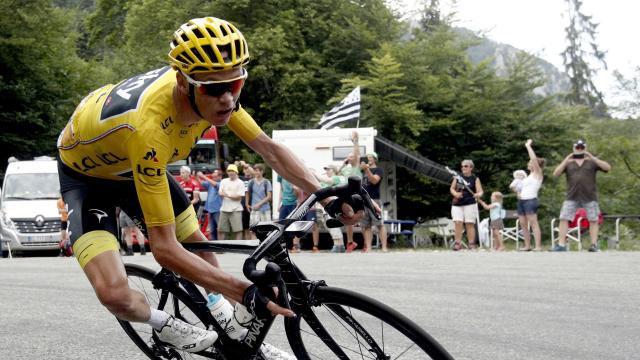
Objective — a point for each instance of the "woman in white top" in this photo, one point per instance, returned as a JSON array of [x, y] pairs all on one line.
[[528, 200]]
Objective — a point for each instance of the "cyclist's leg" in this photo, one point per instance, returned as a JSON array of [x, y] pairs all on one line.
[[92, 228]]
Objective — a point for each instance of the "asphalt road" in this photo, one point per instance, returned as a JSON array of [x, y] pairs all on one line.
[[478, 305]]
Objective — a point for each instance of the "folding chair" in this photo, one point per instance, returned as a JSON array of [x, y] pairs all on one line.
[[579, 225]]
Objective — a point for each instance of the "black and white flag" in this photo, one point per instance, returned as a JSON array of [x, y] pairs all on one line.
[[347, 109]]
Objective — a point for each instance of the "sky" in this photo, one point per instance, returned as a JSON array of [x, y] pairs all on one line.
[[537, 26]]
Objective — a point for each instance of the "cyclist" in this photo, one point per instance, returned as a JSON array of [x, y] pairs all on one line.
[[114, 151]]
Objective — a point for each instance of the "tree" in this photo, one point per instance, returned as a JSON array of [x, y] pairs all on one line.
[[582, 47], [629, 92], [41, 77]]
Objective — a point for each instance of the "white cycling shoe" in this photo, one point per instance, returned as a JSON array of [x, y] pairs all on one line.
[[271, 352], [186, 337]]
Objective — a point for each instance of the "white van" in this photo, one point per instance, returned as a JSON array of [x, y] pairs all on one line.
[[29, 217]]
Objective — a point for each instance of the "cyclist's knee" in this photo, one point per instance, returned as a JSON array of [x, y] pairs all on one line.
[[114, 294]]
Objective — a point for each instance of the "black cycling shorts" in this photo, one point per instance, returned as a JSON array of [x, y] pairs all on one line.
[[92, 202]]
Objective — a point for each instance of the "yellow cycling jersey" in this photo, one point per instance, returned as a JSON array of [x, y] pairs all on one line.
[[130, 131]]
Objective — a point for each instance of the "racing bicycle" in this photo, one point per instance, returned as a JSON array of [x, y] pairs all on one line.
[[331, 323]]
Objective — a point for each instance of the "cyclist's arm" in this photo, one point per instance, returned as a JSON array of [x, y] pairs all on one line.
[[170, 254], [282, 160]]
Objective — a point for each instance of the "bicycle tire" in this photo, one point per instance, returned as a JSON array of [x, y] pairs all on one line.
[[363, 318], [140, 278]]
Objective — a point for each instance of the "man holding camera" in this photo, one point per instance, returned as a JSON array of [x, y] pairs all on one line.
[[580, 168]]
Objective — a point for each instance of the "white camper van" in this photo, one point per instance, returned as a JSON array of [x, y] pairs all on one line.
[[319, 148], [29, 218]]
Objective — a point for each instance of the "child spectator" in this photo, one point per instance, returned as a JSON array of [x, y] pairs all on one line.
[[516, 184], [496, 214]]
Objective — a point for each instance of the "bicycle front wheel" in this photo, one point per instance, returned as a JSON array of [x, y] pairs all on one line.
[[343, 324], [177, 303]]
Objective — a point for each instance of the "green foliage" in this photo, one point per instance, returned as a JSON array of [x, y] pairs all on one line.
[[41, 80]]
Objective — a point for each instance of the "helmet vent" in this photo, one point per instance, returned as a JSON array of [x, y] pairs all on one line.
[[184, 37], [184, 59], [209, 51], [224, 31], [238, 47], [197, 54], [200, 68], [198, 33], [226, 48], [211, 33]]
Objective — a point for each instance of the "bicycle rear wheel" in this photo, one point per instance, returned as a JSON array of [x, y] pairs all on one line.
[[347, 325], [177, 303]]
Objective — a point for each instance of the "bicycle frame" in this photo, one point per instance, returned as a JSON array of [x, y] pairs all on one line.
[[296, 291]]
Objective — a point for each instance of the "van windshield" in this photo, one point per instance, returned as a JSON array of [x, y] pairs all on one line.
[[31, 187]]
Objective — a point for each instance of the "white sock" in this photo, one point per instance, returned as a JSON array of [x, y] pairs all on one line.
[[157, 319]]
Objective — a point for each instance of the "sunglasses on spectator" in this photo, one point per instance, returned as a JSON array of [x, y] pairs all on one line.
[[579, 147], [218, 88]]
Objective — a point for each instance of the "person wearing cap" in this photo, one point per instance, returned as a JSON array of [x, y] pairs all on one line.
[[371, 176], [232, 192], [331, 178], [580, 168]]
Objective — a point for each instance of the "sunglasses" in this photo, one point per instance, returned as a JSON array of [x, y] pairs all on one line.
[[579, 147], [218, 88], [466, 165]]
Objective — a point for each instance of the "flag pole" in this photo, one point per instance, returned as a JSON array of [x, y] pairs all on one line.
[[359, 114]]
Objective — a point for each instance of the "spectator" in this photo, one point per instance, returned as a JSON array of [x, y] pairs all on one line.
[[232, 192], [129, 231], [258, 196], [190, 186], [528, 200], [65, 244], [288, 201], [214, 201], [516, 184], [331, 178], [350, 168], [464, 208], [372, 174], [311, 215], [580, 168], [495, 216], [247, 174]]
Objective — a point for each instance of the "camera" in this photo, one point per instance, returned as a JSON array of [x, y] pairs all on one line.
[[578, 156]]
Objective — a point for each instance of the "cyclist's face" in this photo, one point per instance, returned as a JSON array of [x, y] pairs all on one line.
[[217, 109]]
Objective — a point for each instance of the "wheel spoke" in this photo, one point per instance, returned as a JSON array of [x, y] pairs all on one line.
[[360, 326]]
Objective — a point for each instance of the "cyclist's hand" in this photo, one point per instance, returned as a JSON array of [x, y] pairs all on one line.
[[260, 306], [279, 310]]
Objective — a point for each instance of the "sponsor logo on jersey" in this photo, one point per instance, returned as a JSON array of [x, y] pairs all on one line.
[[151, 155], [150, 171], [164, 124]]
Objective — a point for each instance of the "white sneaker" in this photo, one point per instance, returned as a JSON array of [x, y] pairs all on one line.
[[184, 336], [271, 352]]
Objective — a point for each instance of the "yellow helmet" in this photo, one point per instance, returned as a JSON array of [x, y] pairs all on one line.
[[198, 44]]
